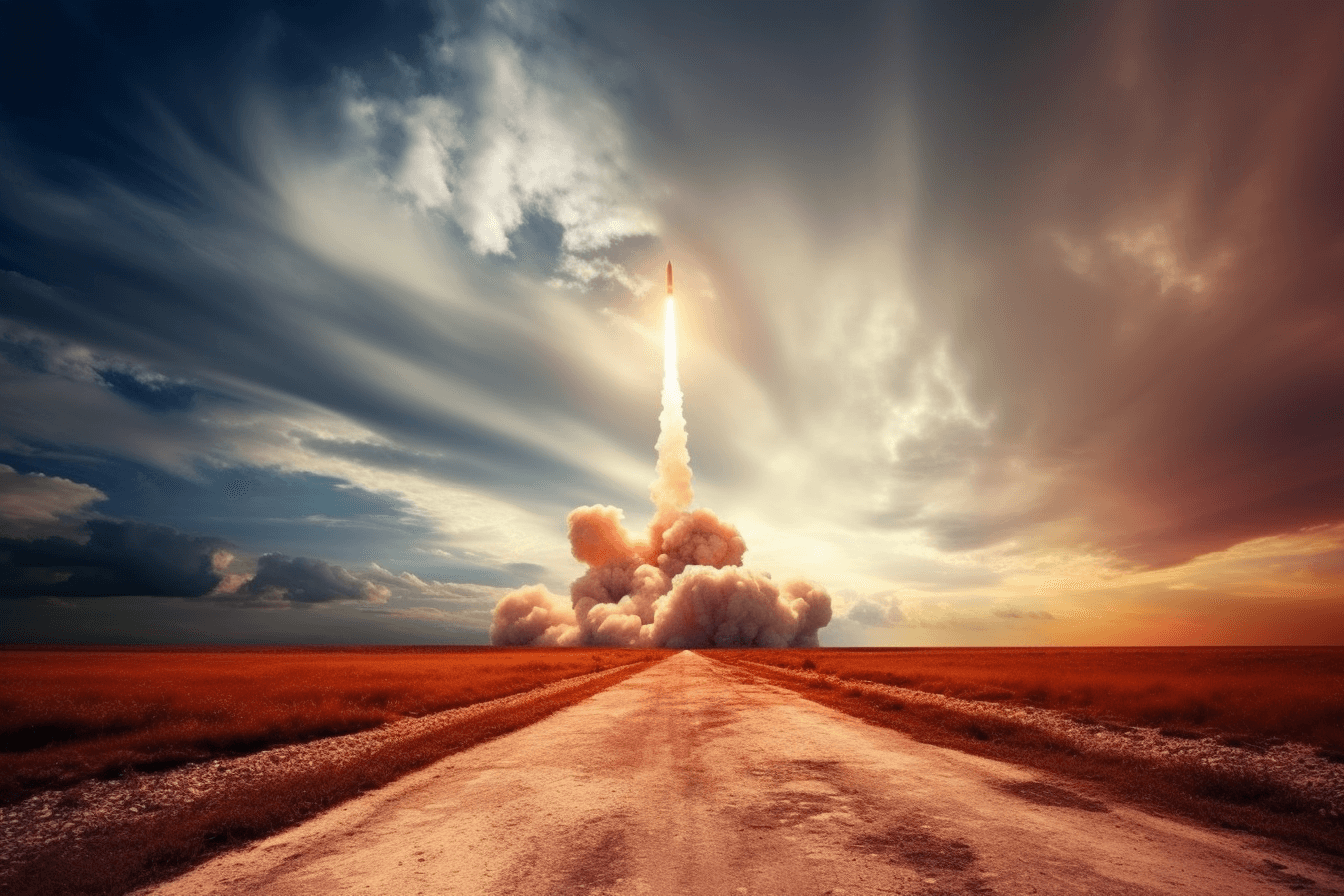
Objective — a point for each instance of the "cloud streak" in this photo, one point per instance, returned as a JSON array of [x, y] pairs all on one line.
[[1160, 338]]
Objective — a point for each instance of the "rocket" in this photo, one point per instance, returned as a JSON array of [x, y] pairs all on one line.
[[669, 278]]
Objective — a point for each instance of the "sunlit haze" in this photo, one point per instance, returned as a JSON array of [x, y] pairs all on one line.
[[1005, 324]]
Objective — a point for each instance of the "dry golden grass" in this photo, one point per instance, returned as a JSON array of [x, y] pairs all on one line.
[[68, 715], [128, 852], [1255, 693], [1216, 796]]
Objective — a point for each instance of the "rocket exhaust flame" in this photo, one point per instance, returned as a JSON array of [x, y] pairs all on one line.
[[682, 587], [670, 351], [671, 490]]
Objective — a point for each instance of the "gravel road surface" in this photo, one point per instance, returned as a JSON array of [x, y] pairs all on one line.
[[694, 778]]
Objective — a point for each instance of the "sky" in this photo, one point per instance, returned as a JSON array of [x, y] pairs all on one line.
[[1007, 324]]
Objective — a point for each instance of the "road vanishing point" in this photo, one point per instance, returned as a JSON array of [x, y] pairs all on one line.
[[693, 777]]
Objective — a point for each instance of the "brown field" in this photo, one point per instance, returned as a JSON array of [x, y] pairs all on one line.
[[113, 853], [1253, 692], [71, 714], [1250, 697]]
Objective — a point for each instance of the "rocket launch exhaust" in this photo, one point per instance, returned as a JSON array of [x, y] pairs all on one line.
[[670, 343], [683, 585], [670, 349], [671, 489]]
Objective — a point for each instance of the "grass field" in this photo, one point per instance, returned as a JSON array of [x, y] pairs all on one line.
[[71, 714], [114, 853], [1248, 697], [1253, 692]]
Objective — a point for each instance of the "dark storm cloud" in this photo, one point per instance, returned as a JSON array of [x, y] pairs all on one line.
[[147, 620], [250, 507], [303, 581], [118, 558], [252, 510], [1145, 269], [156, 396], [49, 549], [306, 581]]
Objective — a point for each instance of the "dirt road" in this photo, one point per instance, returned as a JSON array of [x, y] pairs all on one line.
[[690, 778]]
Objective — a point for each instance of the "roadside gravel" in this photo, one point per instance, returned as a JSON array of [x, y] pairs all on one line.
[[72, 815], [1295, 766]]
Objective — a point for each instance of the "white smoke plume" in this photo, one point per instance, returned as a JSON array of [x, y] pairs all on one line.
[[682, 586]]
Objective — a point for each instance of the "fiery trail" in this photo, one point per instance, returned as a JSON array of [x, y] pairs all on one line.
[[671, 490], [682, 587], [671, 387]]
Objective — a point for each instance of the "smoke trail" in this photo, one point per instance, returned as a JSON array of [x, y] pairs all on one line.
[[682, 587], [671, 490]]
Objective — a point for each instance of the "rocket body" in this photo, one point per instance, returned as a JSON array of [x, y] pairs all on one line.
[[669, 278]]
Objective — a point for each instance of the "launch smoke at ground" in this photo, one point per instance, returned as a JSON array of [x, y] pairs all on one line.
[[682, 586]]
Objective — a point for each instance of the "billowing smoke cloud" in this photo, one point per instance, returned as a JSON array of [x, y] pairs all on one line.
[[681, 586]]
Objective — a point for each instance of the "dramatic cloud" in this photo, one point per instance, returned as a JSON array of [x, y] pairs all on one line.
[[1149, 303], [37, 506], [49, 548], [119, 558], [308, 581], [304, 580], [1010, 322], [534, 136]]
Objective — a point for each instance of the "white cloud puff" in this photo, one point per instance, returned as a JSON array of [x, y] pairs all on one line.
[[528, 133], [39, 506]]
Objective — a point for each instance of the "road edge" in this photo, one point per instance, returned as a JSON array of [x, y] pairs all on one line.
[[149, 849], [1158, 790]]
